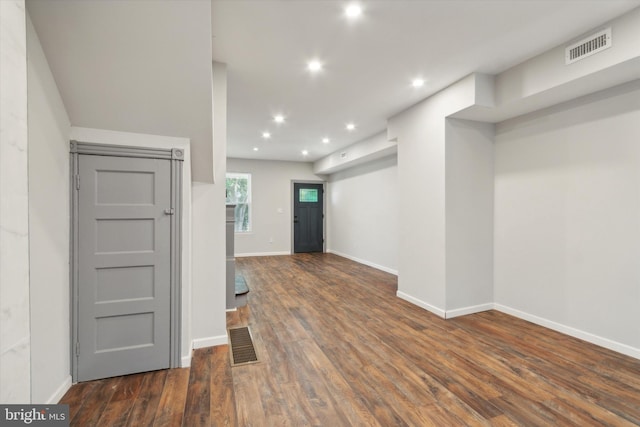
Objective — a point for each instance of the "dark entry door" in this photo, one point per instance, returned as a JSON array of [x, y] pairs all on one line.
[[308, 217], [123, 266]]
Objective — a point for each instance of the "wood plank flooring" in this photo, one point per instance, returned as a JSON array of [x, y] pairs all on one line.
[[338, 348]]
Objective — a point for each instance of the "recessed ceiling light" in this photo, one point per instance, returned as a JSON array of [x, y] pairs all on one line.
[[326, 140], [353, 11], [314, 66], [305, 152], [417, 82], [278, 118], [255, 148], [351, 126], [266, 135]]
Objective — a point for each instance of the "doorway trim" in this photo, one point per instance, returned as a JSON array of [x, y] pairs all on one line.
[[324, 211], [176, 157]]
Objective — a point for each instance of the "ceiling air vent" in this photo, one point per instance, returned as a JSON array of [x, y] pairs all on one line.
[[587, 47]]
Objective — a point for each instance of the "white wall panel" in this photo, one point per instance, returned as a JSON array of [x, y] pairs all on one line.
[[567, 209], [363, 213]]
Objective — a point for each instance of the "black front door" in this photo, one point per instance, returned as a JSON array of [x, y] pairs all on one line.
[[308, 218]]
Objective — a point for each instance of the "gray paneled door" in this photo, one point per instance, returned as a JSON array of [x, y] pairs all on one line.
[[124, 301]]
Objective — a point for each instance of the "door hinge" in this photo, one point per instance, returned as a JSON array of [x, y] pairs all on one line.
[[77, 182], [77, 349]]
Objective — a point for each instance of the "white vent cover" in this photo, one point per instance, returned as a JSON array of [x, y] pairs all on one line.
[[587, 47]]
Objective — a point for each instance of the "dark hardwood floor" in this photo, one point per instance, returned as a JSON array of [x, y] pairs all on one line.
[[337, 348]]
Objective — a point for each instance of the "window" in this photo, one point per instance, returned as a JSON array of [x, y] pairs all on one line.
[[239, 194], [308, 195]]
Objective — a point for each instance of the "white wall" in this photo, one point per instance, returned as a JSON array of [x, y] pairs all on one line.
[[208, 299], [271, 204], [48, 229], [421, 136], [100, 136], [362, 207], [15, 349], [421, 203], [445, 170], [567, 209], [469, 216]]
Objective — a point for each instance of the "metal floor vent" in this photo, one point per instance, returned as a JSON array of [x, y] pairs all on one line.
[[588, 46], [242, 349]]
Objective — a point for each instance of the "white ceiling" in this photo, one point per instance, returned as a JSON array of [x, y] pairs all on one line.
[[145, 65], [370, 62]]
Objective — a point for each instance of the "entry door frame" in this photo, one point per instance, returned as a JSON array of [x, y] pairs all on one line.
[[176, 157], [324, 212]]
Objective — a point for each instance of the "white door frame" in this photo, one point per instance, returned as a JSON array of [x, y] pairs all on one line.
[[176, 156]]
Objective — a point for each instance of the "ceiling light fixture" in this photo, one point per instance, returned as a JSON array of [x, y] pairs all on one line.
[[326, 140], [351, 126], [314, 66], [255, 148], [266, 135], [353, 11], [417, 83], [278, 118], [305, 152]]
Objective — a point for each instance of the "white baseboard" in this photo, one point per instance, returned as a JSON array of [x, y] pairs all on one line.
[[209, 341], [60, 391], [564, 329], [185, 362], [422, 304], [450, 314], [231, 310], [365, 262], [568, 330], [262, 254]]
